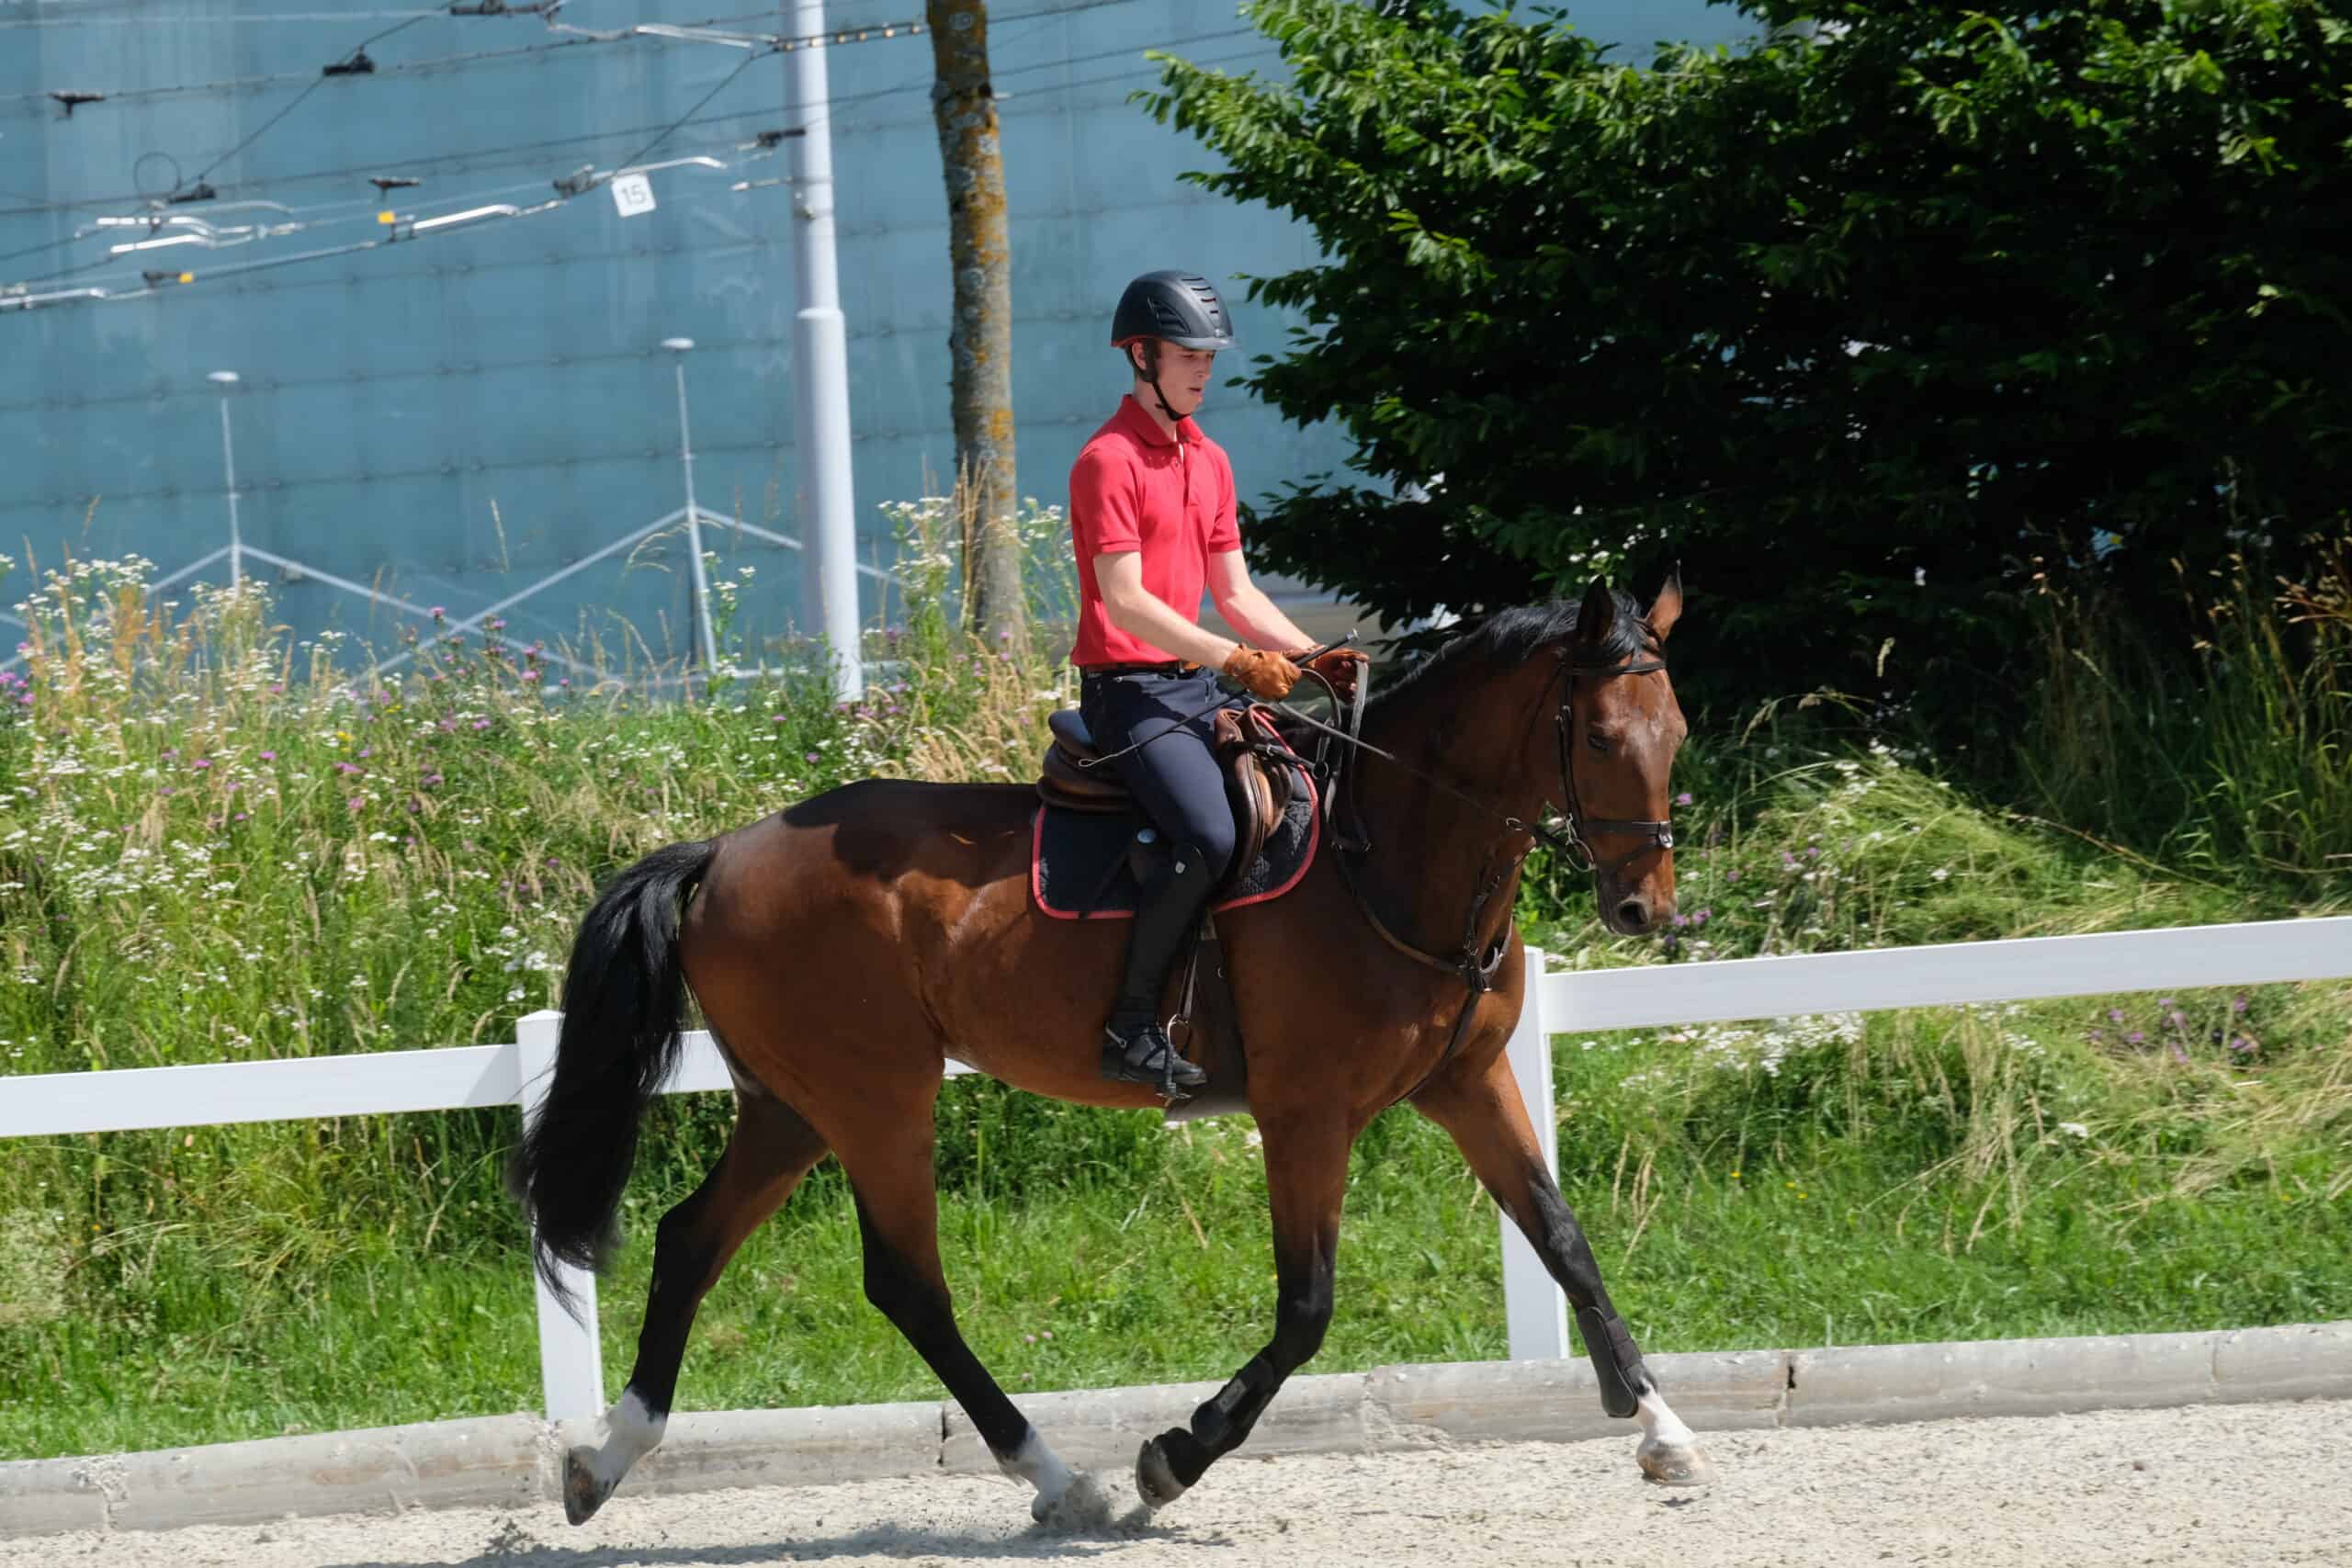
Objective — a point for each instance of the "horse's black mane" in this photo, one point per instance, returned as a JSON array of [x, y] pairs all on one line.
[[1510, 638]]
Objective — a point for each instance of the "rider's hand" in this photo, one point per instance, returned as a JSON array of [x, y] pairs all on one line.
[[1261, 673], [1342, 667]]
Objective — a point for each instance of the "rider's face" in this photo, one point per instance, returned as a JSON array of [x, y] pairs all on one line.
[[1184, 377]]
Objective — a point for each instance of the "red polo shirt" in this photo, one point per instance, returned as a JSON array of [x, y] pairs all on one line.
[[1133, 489]]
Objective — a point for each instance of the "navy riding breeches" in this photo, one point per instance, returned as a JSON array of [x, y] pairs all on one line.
[[1174, 774]]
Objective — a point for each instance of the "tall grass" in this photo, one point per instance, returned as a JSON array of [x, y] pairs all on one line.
[[2235, 762], [217, 843]]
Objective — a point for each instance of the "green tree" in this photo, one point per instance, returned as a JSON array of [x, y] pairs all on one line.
[[1874, 324]]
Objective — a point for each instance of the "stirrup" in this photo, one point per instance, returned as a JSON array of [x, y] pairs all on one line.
[[1161, 1067]]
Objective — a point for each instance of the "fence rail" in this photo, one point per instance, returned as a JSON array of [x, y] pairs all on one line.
[[1560, 1001]]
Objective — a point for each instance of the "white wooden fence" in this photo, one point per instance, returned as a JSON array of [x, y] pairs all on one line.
[[1580, 1000]]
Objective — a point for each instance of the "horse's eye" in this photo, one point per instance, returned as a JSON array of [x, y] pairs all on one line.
[[1596, 742]]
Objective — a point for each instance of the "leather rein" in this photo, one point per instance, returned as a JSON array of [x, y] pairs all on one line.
[[1475, 970]]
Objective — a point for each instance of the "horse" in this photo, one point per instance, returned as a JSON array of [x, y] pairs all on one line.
[[844, 948]]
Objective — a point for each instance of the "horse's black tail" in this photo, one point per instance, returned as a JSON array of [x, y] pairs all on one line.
[[622, 998]]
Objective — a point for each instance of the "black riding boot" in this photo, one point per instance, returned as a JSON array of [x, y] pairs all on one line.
[[1135, 1047]]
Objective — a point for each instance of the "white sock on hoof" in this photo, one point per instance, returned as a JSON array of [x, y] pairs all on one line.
[[631, 1432], [1661, 1426], [1040, 1467]]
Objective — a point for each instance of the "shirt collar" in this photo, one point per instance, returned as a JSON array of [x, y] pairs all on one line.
[[1139, 423]]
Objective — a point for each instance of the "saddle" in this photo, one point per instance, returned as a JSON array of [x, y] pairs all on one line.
[[1088, 857], [1261, 777]]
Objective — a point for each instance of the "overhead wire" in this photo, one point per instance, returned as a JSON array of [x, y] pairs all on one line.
[[828, 107], [515, 154], [582, 37], [357, 52]]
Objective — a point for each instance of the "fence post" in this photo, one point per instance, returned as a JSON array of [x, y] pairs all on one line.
[[1533, 1307], [572, 1365]]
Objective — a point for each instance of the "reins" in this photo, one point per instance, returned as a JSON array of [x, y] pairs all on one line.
[[1476, 971]]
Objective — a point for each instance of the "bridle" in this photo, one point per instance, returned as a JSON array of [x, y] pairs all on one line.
[[1575, 844], [1474, 969]]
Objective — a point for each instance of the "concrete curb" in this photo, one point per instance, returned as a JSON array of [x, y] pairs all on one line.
[[515, 1460]]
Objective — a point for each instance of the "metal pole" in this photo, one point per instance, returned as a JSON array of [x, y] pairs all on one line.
[[820, 360], [708, 633], [225, 379]]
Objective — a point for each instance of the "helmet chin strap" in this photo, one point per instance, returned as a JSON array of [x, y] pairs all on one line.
[[1151, 378]]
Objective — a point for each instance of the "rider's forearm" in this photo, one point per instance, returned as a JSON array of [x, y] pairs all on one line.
[[1141, 616], [1257, 617]]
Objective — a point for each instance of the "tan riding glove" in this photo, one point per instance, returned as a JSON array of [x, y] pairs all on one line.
[[1263, 674], [1340, 666]]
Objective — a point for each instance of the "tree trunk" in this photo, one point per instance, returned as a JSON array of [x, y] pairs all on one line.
[[979, 343]]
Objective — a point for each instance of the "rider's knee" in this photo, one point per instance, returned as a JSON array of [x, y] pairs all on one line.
[[1212, 848]]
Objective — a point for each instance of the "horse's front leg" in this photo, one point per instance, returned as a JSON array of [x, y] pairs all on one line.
[[1307, 1177], [1481, 1109]]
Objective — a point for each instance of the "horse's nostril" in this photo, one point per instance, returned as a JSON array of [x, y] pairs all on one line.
[[1633, 915]]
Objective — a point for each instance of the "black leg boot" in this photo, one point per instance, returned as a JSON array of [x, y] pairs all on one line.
[[1135, 1047]]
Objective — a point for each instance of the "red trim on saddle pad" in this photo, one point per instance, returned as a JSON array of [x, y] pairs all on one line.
[[1302, 779]]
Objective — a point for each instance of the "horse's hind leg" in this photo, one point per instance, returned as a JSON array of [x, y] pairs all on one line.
[[1483, 1111], [1307, 1179], [889, 1167], [769, 1151]]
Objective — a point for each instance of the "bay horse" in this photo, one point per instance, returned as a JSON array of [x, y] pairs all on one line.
[[841, 950]]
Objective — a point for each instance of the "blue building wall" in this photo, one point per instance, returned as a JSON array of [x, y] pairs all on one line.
[[454, 419]]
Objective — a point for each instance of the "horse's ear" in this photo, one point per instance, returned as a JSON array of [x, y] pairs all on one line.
[[1597, 615], [1667, 608]]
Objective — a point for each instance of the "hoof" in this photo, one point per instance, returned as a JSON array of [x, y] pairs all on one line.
[[582, 1492], [1674, 1464], [1156, 1480], [1080, 1508]]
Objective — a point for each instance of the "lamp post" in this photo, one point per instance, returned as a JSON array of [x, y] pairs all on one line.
[[708, 637], [225, 379], [820, 359]]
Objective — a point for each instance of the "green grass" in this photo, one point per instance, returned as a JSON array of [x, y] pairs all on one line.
[[1927, 1174]]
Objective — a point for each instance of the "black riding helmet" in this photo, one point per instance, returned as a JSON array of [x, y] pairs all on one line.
[[1182, 308]]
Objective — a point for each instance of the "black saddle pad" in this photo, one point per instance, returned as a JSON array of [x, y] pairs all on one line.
[[1078, 860]]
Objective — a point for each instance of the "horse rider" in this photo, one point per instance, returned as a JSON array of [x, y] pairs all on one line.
[[1152, 520]]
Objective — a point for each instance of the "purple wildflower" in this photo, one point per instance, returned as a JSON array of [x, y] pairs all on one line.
[[1682, 799], [269, 756], [202, 763]]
